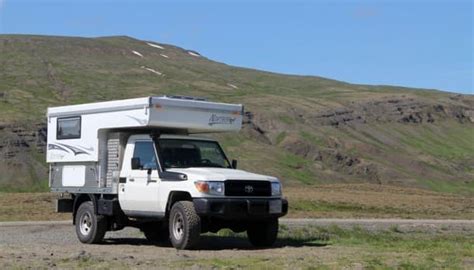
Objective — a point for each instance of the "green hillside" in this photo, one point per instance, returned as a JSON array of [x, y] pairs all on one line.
[[304, 129]]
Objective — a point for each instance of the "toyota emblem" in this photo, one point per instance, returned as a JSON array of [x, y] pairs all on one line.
[[248, 189]]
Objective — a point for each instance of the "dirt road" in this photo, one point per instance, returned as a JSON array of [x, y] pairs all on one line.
[[371, 224], [54, 244]]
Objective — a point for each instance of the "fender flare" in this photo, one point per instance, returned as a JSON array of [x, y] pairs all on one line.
[[78, 200], [176, 195]]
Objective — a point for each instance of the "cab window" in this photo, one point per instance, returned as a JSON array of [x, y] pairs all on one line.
[[146, 152]]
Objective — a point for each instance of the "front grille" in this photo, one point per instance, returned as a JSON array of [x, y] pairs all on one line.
[[247, 188]]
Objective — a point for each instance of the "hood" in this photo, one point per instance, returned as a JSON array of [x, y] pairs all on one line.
[[221, 174]]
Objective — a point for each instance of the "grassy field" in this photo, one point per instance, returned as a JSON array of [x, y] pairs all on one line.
[[324, 201], [29, 206], [377, 201]]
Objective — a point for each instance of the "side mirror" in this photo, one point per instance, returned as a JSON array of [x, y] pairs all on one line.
[[234, 163], [148, 171], [136, 163]]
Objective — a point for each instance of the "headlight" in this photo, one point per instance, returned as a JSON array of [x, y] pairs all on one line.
[[210, 187], [276, 189]]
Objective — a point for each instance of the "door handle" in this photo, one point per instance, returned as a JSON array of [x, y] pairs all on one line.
[[131, 180], [152, 181]]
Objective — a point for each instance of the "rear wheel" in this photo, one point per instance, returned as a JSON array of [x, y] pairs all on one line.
[[263, 233], [184, 225], [90, 228]]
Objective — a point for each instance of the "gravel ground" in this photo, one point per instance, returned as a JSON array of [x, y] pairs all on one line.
[[54, 244]]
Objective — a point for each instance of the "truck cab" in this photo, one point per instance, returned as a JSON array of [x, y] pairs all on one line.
[[153, 174], [196, 169]]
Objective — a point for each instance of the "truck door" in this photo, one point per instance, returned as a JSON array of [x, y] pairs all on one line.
[[138, 196]]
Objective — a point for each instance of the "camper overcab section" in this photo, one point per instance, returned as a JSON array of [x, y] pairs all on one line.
[[141, 162]]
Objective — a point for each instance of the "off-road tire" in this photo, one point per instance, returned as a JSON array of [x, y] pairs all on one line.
[[90, 228], [184, 222], [263, 233], [156, 233]]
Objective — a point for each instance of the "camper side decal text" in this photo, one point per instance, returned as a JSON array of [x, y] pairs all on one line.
[[221, 120]]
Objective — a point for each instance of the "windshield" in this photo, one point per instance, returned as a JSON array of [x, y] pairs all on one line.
[[183, 153]]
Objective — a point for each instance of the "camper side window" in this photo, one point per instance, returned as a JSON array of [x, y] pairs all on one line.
[[69, 128], [146, 153]]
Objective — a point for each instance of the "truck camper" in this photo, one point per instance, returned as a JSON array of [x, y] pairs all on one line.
[[144, 163]]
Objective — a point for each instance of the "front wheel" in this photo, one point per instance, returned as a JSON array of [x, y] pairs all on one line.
[[90, 228], [184, 225], [263, 233]]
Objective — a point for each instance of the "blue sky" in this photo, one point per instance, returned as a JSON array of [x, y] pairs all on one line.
[[426, 44]]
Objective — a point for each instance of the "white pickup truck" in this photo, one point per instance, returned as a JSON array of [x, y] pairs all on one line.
[[134, 163]]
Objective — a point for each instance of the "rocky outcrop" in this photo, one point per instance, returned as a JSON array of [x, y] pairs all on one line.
[[332, 156], [252, 127], [20, 138], [469, 114], [401, 110]]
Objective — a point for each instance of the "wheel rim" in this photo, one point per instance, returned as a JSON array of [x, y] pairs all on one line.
[[178, 226], [85, 224]]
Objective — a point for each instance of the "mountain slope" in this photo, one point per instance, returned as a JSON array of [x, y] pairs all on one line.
[[302, 129]]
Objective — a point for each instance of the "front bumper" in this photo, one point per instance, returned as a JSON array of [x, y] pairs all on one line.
[[241, 208]]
